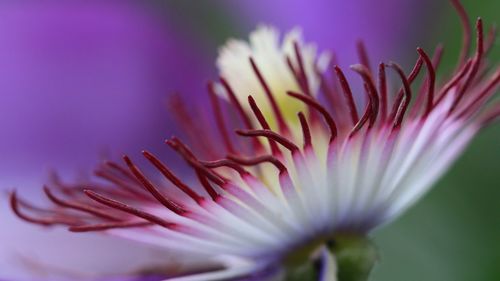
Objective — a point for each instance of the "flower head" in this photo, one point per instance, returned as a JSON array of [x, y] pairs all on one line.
[[289, 184]]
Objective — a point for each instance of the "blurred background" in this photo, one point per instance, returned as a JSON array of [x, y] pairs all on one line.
[[85, 80]]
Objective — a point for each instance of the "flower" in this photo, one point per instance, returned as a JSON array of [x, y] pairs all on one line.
[[277, 200]]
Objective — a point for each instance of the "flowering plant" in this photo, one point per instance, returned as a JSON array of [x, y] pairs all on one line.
[[310, 175]]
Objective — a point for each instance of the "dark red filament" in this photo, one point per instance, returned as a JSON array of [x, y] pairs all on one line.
[[219, 118], [109, 225], [257, 160], [186, 153], [363, 55], [371, 90], [315, 105], [232, 97], [169, 204], [413, 74], [306, 132], [274, 105], [432, 80], [128, 209], [475, 65], [79, 206], [398, 119], [270, 135], [382, 88], [225, 163], [464, 19], [263, 122], [171, 177], [347, 94]]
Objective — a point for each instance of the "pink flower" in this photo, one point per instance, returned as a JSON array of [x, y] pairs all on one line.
[[291, 183]]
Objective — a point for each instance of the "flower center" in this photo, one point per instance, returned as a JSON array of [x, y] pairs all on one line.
[[303, 253]]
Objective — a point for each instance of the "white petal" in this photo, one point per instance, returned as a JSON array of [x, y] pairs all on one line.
[[235, 269]]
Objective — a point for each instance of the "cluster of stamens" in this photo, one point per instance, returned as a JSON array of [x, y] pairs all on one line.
[[116, 200]]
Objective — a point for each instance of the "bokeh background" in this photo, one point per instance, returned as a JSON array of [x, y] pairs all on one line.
[[83, 80]]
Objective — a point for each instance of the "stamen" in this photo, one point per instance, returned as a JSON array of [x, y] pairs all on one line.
[[432, 80], [382, 84], [270, 135], [206, 185], [78, 206], [366, 115], [169, 204], [363, 55], [258, 160], [232, 97], [121, 170], [490, 39], [347, 94], [332, 92], [69, 189], [305, 130], [74, 190], [371, 90], [263, 122], [185, 117], [219, 118], [274, 105], [28, 206], [186, 153], [302, 70], [180, 147], [492, 116], [494, 82], [295, 73], [329, 92], [301, 77], [258, 114], [315, 105], [127, 186], [407, 92], [424, 86], [454, 81], [438, 55], [108, 226], [128, 209], [475, 65], [14, 205], [413, 74], [464, 19], [224, 163], [172, 178]]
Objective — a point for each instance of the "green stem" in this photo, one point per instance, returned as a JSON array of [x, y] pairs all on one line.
[[355, 256]]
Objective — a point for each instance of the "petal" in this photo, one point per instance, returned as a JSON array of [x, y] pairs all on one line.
[[237, 269]]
